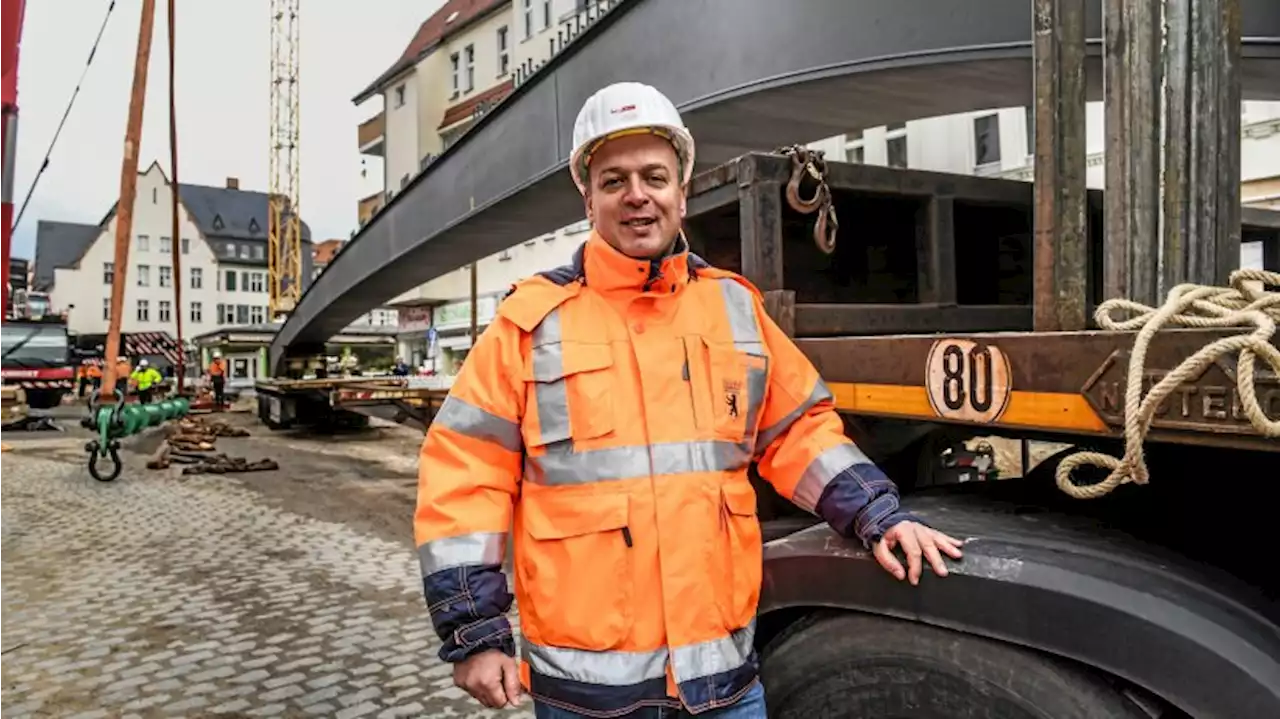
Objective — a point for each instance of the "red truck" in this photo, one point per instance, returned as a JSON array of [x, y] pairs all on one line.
[[37, 358]]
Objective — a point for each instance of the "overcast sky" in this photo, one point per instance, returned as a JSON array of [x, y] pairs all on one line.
[[223, 52]]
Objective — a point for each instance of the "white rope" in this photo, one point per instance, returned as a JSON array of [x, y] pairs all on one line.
[[1188, 305]]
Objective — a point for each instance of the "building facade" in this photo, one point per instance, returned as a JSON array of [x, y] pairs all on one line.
[[223, 258]]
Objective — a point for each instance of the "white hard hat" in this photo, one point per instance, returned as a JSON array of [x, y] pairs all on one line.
[[142, 362], [625, 108]]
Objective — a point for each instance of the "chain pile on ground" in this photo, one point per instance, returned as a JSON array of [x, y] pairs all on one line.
[[1188, 305]]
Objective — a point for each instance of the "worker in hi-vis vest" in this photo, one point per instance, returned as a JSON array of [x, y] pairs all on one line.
[[605, 420]]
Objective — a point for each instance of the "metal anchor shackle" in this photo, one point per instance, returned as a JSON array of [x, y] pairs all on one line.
[[122, 420]]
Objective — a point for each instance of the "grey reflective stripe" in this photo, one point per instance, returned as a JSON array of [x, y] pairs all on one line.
[[822, 470], [820, 393], [746, 338], [478, 548], [620, 669], [607, 668], [742, 317], [714, 657], [568, 467], [550, 392], [466, 418]]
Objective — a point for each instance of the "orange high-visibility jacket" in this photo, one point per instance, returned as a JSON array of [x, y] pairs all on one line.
[[607, 418]]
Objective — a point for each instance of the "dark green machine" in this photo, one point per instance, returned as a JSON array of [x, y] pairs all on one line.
[[114, 422]]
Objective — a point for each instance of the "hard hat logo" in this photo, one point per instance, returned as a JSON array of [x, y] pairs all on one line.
[[626, 108]]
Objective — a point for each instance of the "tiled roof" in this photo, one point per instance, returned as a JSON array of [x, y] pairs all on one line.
[[59, 244], [450, 18], [464, 109], [324, 251]]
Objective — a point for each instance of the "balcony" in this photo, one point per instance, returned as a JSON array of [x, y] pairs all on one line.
[[371, 135], [369, 206]]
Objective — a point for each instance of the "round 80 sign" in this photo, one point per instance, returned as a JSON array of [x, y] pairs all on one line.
[[968, 381]]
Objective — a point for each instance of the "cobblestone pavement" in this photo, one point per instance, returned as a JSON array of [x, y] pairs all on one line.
[[164, 596]]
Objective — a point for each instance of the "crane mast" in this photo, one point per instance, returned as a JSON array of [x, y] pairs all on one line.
[[284, 227]]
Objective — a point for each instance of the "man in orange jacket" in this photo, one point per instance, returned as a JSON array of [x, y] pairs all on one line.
[[606, 420]]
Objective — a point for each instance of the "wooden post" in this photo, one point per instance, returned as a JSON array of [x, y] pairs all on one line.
[[760, 225], [1060, 249], [128, 190], [781, 306], [173, 196], [1132, 81], [1202, 143], [936, 252]]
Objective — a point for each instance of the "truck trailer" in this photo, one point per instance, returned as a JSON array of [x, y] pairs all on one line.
[[1153, 600]]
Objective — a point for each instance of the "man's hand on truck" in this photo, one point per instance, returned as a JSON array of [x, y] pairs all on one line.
[[917, 541]]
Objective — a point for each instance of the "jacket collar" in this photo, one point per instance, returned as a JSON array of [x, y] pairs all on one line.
[[604, 268]]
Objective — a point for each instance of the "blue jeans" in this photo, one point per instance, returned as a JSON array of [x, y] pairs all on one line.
[[750, 706]]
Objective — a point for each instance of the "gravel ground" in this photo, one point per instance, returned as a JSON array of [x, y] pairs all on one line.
[[285, 593]]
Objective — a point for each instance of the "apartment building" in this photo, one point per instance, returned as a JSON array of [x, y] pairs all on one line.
[[462, 61], [223, 257]]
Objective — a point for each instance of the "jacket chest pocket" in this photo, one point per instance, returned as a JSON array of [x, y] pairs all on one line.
[[728, 387], [570, 386]]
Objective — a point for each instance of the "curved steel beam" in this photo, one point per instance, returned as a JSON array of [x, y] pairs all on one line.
[[773, 75]]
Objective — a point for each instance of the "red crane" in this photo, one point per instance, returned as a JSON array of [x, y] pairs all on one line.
[[12, 20]]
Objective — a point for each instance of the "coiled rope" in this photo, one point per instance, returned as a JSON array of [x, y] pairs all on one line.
[[1188, 305]]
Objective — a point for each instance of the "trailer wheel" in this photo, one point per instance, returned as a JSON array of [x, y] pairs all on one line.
[[858, 665]]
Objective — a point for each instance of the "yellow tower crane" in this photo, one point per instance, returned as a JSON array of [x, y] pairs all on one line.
[[284, 226]]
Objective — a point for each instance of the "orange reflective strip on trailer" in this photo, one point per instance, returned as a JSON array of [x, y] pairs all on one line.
[[972, 382]]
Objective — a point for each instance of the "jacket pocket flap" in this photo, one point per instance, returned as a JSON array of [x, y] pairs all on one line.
[[555, 361], [559, 517], [739, 498]]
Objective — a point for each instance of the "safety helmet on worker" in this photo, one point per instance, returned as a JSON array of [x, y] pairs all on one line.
[[627, 108]]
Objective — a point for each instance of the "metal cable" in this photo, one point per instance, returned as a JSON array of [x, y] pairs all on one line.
[[44, 164]]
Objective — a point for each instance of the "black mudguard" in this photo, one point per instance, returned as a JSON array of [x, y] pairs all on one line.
[[1200, 640]]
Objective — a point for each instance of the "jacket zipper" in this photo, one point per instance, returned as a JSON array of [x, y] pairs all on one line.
[[626, 536], [685, 375]]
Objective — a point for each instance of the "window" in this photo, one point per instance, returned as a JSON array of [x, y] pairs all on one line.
[[986, 139], [226, 314], [108, 272], [528, 19], [546, 14], [144, 275], [242, 314], [166, 246], [257, 282], [854, 147], [144, 243], [166, 276], [165, 311], [229, 281], [197, 278], [399, 92], [469, 55], [244, 281], [144, 311], [245, 252], [106, 308], [453, 67], [504, 55], [256, 314], [897, 149], [197, 312], [259, 252], [186, 245], [217, 222], [155, 196]]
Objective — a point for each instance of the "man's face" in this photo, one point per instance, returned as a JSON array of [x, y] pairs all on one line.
[[634, 197]]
